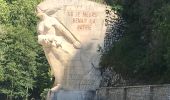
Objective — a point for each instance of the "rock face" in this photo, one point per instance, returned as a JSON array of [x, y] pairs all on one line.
[[85, 20]]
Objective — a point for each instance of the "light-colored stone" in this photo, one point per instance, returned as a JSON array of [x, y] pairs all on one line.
[[71, 32]]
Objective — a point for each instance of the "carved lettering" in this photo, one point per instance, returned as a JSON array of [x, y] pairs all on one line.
[[89, 14], [79, 20], [82, 19], [92, 21], [84, 27], [70, 13]]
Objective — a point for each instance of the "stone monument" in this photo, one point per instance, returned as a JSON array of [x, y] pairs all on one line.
[[71, 32]]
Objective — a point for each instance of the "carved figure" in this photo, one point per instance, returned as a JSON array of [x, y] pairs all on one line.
[[57, 41]]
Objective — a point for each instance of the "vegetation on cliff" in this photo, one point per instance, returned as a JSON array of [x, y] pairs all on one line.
[[142, 55]]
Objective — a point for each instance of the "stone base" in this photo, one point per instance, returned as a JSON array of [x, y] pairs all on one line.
[[73, 95]]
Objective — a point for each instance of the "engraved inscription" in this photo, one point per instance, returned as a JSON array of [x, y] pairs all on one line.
[[83, 19]]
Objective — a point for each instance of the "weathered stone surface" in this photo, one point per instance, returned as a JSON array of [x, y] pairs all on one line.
[[146, 92], [85, 20], [161, 93], [110, 94], [138, 93]]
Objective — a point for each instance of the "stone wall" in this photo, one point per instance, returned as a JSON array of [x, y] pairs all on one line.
[[146, 92]]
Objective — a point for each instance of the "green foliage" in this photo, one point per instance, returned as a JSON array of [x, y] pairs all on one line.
[[18, 45], [1, 73], [44, 94], [23, 66], [160, 41], [4, 12], [142, 55], [43, 75], [22, 12]]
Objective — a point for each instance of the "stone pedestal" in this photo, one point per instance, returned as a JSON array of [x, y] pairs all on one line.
[[74, 95]]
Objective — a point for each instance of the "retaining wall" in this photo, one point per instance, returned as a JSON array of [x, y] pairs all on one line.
[[146, 92]]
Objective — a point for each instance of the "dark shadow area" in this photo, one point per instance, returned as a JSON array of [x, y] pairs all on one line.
[[141, 55]]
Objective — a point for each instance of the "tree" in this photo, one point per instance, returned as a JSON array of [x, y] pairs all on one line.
[[142, 55], [4, 12], [19, 64], [23, 66]]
